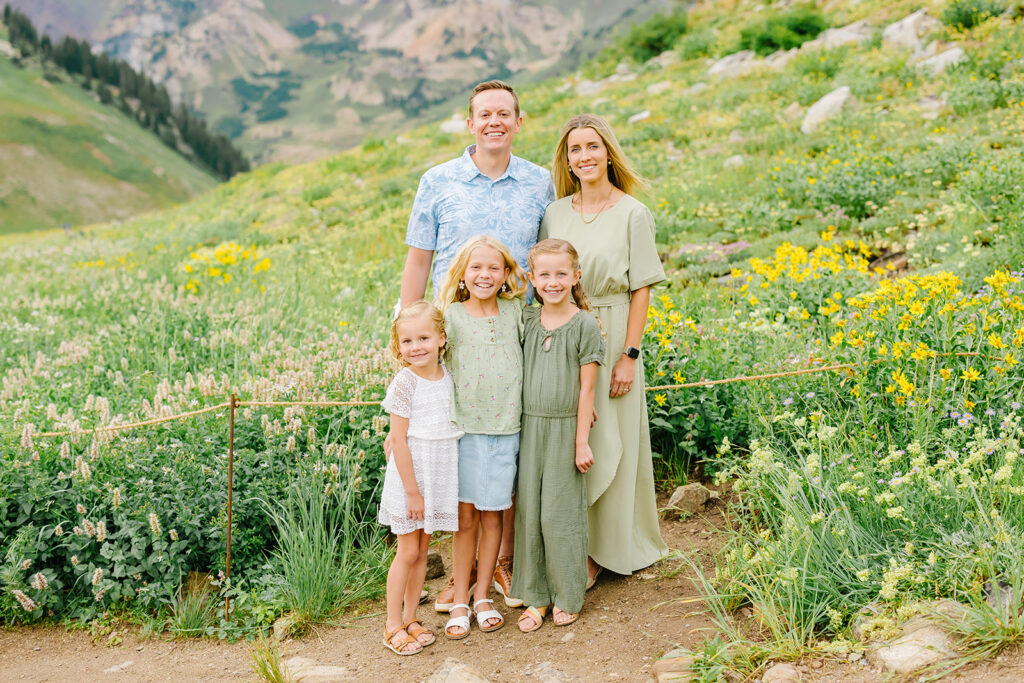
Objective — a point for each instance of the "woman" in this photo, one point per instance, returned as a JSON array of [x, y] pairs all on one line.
[[614, 234]]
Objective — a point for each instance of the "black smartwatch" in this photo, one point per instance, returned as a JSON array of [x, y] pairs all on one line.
[[632, 352]]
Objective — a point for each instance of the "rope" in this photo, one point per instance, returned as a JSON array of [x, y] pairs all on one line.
[[117, 428], [663, 387]]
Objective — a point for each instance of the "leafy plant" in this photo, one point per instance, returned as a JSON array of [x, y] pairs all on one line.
[[192, 612], [782, 30], [966, 14], [654, 36]]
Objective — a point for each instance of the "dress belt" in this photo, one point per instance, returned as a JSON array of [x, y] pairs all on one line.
[[548, 413], [610, 299]]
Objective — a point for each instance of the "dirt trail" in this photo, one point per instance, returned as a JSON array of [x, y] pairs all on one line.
[[626, 624]]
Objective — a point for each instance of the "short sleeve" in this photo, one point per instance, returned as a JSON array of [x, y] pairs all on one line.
[[398, 400], [514, 309], [422, 229], [545, 225], [644, 263], [591, 346], [451, 330]]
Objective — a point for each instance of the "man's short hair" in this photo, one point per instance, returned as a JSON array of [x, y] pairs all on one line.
[[493, 85]]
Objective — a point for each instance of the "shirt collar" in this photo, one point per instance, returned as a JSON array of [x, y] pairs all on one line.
[[469, 170]]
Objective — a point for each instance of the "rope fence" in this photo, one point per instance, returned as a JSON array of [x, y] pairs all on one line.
[[233, 404]]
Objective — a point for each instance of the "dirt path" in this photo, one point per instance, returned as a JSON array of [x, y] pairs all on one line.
[[626, 624]]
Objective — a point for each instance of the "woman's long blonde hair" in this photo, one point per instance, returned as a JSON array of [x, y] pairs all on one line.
[[515, 281], [416, 309], [620, 171], [557, 246]]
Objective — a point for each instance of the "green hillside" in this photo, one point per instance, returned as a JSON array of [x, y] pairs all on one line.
[[885, 243], [69, 159]]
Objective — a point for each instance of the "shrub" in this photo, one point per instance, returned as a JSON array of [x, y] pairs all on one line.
[[966, 14], [654, 36], [783, 30]]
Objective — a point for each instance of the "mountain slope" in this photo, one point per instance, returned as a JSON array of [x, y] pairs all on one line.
[[294, 80], [65, 158]]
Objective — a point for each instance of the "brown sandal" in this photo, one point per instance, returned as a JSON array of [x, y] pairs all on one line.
[[415, 629], [572, 617], [398, 645]]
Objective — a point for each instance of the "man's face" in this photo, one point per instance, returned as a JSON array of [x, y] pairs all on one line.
[[494, 122]]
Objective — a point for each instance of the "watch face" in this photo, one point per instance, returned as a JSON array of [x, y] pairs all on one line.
[[632, 352]]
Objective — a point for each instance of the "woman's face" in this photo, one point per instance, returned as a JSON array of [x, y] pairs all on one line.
[[588, 156]]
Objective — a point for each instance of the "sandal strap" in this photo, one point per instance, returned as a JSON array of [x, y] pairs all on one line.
[[415, 628], [391, 637]]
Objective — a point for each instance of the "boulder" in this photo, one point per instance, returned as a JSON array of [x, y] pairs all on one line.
[[942, 61], [696, 88], [658, 88], [907, 32], [585, 88], [8, 50], [793, 111], [921, 642], [826, 108], [854, 33], [454, 671], [780, 58], [674, 666], [781, 673], [735, 64], [735, 161], [456, 124], [435, 565], [283, 627], [302, 670], [690, 499], [664, 59], [639, 116]]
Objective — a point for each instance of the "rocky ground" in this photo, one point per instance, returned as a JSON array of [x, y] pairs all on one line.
[[627, 625]]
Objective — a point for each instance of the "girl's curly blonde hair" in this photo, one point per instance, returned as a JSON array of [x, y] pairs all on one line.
[[416, 309], [515, 281]]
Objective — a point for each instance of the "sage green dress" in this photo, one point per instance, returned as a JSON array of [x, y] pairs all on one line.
[[551, 499], [618, 255]]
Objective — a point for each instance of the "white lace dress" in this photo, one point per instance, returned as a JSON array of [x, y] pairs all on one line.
[[434, 445]]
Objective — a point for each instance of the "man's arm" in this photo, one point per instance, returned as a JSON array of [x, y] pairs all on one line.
[[415, 274]]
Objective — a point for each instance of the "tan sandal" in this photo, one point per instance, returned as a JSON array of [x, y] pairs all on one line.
[[398, 645], [572, 617], [415, 629], [535, 613]]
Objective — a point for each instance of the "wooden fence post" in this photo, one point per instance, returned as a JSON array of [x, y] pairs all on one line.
[[231, 484]]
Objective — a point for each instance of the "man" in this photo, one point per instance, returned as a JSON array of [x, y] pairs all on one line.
[[486, 190]]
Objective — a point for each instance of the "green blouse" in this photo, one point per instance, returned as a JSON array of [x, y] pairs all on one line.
[[485, 357]]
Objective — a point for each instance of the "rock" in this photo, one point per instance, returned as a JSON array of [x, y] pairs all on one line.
[[640, 116], [711, 151], [942, 61], [690, 499], [817, 664], [931, 106], [118, 668], [664, 59], [622, 69], [454, 671], [283, 627], [950, 610], [781, 673], [826, 108], [857, 32], [568, 636], [8, 50], [564, 87], [546, 673], [735, 64], [862, 617], [855, 656], [599, 101], [920, 643], [696, 88], [908, 31], [585, 88], [302, 670], [658, 88], [674, 666], [999, 596], [435, 565], [735, 161], [793, 111], [456, 124], [780, 58]]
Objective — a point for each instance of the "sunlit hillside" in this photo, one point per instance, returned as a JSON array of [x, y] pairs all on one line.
[[68, 159], [881, 238]]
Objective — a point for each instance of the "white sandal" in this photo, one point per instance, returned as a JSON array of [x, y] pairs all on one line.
[[460, 622], [492, 613]]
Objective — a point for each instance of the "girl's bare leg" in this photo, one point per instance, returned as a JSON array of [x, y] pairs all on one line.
[[464, 556], [490, 539], [417, 577], [406, 556]]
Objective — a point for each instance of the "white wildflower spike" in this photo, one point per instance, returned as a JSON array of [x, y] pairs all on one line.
[[26, 435], [173, 533], [97, 576], [117, 497], [74, 560], [25, 565], [154, 523], [58, 530], [39, 581], [101, 531], [65, 450], [51, 413], [90, 529], [26, 602], [80, 508]]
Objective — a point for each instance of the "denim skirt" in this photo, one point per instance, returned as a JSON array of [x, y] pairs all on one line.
[[487, 470]]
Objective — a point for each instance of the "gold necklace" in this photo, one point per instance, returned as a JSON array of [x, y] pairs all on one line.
[[599, 211]]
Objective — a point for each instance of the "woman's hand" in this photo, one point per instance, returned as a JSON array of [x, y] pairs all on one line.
[[622, 377], [414, 505], [584, 457]]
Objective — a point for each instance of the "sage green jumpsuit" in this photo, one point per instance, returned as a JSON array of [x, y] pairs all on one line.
[[551, 502]]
